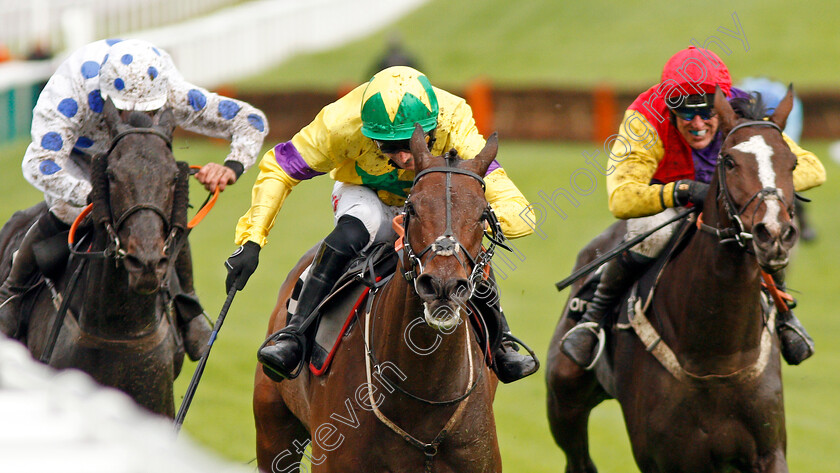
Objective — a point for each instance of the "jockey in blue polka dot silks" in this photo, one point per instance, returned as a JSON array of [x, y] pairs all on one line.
[[68, 128]]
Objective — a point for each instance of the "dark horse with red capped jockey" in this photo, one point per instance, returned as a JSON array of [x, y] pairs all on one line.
[[697, 372]]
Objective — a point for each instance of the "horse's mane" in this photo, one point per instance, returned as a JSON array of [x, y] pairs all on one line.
[[751, 108], [140, 120], [452, 158]]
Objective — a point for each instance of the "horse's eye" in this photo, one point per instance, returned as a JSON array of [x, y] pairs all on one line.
[[410, 209], [728, 162], [110, 175]]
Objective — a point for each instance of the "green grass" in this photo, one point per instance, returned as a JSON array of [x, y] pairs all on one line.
[[221, 418], [545, 42]]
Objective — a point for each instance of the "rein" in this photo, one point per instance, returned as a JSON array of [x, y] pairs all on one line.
[[736, 232], [399, 388], [637, 309]]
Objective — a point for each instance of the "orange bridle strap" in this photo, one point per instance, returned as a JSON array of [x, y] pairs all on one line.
[[71, 237], [207, 207]]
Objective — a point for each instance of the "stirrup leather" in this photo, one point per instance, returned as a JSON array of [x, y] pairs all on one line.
[[596, 329]]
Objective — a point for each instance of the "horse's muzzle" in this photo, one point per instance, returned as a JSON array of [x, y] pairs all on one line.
[[442, 316], [145, 276], [772, 244], [442, 299]]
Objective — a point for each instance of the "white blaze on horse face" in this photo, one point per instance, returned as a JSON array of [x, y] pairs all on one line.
[[763, 154]]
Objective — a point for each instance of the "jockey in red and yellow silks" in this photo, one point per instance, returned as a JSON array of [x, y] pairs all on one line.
[[664, 157], [361, 140], [642, 183]]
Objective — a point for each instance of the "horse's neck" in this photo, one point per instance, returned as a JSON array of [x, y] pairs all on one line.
[[110, 307], [720, 313], [435, 364]]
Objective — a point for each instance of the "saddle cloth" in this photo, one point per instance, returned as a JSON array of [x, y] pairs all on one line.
[[371, 269]]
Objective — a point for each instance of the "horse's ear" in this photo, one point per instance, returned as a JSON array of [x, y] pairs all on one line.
[[112, 117], [724, 111], [164, 121], [487, 154], [419, 148], [780, 115]]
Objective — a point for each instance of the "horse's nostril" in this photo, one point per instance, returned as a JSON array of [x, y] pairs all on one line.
[[461, 290], [789, 235], [761, 233], [425, 286], [132, 263]]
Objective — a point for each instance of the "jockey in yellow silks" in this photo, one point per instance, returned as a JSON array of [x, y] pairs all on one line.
[[663, 159], [361, 140]]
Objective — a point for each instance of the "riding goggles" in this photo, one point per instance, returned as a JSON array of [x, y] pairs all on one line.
[[688, 114], [395, 146]]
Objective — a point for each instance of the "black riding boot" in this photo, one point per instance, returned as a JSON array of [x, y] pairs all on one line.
[[24, 269], [797, 345], [193, 323], [283, 359], [581, 342], [508, 363]]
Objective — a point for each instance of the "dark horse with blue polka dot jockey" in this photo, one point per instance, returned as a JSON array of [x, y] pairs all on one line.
[[68, 129]]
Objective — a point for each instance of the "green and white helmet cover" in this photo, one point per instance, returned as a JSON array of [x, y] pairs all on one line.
[[395, 99]]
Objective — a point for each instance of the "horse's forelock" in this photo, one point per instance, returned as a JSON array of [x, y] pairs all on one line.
[[140, 120], [752, 108]]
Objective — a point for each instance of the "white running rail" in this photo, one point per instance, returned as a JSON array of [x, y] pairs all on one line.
[[226, 45], [25, 24]]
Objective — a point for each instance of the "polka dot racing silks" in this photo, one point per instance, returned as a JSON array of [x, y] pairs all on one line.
[[131, 76], [68, 127]]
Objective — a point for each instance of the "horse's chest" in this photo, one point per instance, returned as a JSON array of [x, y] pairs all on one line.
[[717, 422]]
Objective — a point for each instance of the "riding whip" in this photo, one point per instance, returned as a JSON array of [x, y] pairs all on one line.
[[199, 370], [595, 264]]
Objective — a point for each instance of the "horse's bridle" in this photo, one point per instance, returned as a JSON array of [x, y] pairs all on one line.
[[736, 232], [112, 225], [448, 244]]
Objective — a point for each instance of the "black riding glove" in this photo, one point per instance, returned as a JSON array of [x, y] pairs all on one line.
[[241, 265], [688, 191]]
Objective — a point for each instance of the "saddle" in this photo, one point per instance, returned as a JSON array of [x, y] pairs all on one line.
[[371, 269], [617, 317], [630, 314]]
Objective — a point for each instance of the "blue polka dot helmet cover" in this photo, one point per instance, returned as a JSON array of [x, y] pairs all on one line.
[[133, 76]]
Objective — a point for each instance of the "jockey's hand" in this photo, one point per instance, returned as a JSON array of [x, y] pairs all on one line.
[[241, 265], [687, 191], [213, 175]]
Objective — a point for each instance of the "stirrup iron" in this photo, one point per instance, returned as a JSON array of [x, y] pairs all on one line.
[[596, 329]]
